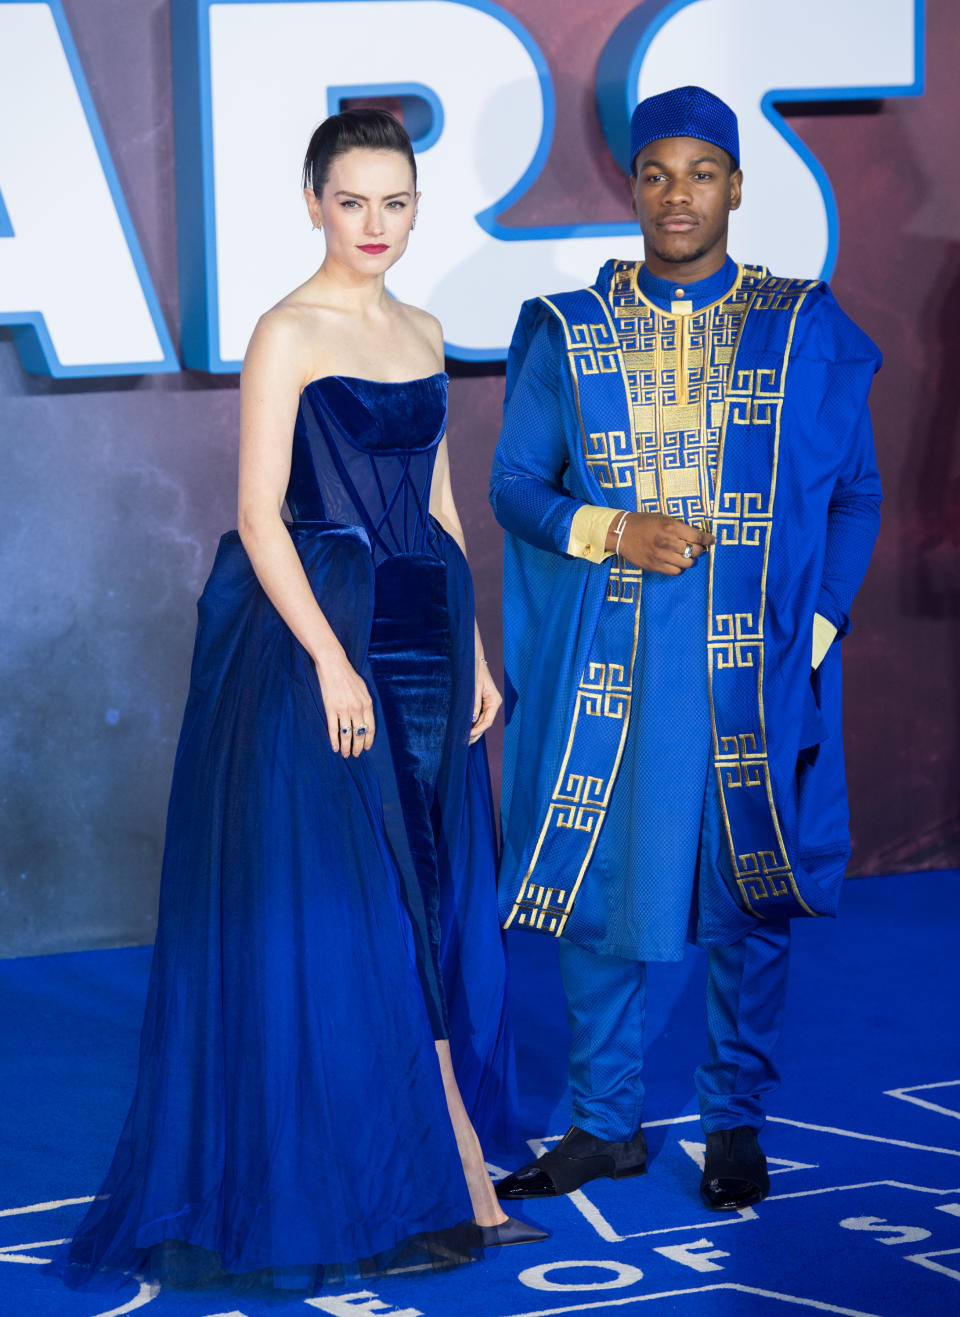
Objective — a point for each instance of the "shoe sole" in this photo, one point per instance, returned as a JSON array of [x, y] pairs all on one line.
[[628, 1175], [514, 1243], [613, 1175], [733, 1207]]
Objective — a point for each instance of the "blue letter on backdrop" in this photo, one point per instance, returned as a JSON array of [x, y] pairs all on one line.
[[73, 282], [755, 54], [253, 79]]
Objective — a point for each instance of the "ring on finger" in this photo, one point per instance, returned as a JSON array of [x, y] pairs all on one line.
[[345, 731], [360, 731], [688, 551]]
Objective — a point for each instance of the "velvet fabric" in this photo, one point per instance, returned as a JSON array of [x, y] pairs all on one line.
[[322, 920]]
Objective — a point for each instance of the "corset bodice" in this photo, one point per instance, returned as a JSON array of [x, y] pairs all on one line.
[[363, 455]]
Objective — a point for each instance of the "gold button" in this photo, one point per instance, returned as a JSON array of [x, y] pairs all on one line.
[[587, 548], [678, 292]]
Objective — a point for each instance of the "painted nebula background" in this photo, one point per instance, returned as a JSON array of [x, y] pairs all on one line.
[[114, 492]]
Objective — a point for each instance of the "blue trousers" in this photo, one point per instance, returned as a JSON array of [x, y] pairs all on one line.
[[606, 1000]]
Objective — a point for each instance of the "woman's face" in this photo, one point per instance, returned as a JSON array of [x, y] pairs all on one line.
[[366, 210]]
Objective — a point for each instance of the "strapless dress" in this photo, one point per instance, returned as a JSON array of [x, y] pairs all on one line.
[[322, 921]]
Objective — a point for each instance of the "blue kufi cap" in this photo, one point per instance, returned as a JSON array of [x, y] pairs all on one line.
[[684, 112]]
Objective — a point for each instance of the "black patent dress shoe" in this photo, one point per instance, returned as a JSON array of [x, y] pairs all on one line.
[[577, 1158], [734, 1170], [512, 1231]]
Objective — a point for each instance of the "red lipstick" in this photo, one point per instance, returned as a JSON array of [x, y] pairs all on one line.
[[374, 248]]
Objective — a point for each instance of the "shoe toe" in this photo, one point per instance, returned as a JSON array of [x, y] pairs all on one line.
[[512, 1231], [531, 1182], [729, 1194]]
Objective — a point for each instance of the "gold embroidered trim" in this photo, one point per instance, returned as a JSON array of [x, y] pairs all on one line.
[[755, 398], [581, 800]]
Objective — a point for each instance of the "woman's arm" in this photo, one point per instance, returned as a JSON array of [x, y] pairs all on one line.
[[487, 699], [273, 372]]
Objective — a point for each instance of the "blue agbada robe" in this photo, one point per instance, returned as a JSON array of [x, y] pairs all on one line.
[[666, 847]]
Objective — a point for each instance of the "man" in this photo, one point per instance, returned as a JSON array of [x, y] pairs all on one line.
[[687, 478]]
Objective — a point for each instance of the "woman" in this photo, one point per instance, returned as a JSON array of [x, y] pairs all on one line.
[[328, 981]]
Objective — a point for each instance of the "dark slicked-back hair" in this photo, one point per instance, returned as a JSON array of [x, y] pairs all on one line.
[[365, 128]]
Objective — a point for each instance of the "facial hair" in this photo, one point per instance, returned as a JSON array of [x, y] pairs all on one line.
[[685, 259]]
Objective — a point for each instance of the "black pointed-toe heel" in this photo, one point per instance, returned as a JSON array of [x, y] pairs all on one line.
[[734, 1170], [512, 1231]]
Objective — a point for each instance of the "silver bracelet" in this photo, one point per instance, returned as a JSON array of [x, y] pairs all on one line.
[[618, 530]]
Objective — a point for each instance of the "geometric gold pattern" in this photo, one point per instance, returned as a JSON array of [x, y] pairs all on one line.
[[600, 717], [742, 523], [686, 397], [677, 368], [674, 371]]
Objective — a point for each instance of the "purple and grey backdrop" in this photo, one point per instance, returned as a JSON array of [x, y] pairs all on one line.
[[114, 492]]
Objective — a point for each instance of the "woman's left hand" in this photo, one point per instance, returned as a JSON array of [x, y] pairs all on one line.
[[486, 702]]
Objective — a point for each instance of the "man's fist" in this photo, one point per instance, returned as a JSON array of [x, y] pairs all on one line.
[[659, 544]]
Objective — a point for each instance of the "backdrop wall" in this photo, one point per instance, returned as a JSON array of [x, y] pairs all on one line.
[[114, 491]]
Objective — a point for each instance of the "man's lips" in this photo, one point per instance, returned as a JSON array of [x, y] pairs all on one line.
[[678, 224], [374, 248]]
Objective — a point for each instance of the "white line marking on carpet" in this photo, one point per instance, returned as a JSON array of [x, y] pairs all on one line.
[[607, 1233], [45, 1207], [870, 1138], [15, 1252], [147, 1293], [923, 1260], [866, 1184], [700, 1289], [906, 1095]]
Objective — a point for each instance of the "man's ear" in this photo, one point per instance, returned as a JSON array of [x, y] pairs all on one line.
[[736, 189]]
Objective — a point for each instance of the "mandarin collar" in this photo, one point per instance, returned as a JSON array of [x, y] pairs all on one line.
[[662, 292]]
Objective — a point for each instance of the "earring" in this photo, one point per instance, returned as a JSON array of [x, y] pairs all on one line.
[[317, 227], [414, 224]]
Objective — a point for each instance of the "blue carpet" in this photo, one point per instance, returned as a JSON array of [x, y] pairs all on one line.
[[864, 1211]]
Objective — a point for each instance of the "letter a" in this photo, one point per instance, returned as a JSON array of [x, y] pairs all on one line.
[[72, 279]]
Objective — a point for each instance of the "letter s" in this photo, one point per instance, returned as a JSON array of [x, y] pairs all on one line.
[[886, 1234]]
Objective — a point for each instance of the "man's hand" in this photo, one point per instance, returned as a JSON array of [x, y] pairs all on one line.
[[657, 543]]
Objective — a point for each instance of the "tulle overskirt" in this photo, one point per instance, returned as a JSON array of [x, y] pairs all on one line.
[[289, 1115]]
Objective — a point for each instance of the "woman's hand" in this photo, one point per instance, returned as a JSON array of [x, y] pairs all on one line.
[[486, 701], [347, 704]]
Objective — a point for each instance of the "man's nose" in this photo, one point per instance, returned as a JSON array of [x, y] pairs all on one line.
[[677, 193]]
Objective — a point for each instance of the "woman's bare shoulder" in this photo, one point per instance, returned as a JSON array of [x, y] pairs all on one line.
[[423, 324], [293, 332]]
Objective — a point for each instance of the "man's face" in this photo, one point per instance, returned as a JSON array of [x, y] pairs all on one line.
[[683, 192]]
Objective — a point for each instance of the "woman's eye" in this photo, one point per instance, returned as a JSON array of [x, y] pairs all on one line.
[[396, 205], [348, 205]]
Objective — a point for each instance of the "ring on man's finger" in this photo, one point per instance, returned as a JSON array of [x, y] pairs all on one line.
[[688, 551]]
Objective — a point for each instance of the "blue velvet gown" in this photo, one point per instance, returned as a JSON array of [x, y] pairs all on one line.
[[322, 920]]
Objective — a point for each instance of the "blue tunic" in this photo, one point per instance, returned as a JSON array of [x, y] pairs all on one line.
[[662, 831]]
